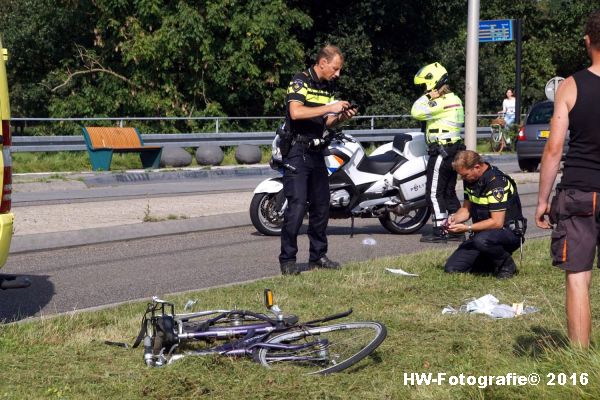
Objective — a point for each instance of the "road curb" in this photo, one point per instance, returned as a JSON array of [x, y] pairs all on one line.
[[129, 177]]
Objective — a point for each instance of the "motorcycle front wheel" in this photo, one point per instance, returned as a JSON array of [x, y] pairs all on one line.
[[265, 214], [405, 223]]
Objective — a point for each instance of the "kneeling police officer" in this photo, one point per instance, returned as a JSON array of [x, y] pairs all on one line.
[[498, 227]]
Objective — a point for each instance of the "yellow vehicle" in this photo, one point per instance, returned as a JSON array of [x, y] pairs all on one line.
[[6, 217]]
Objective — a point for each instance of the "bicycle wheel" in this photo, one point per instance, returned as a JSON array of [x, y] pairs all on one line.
[[508, 144], [322, 349], [496, 138]]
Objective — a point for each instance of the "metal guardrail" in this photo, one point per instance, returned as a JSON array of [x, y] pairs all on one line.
[[369, 120], [77, 143]]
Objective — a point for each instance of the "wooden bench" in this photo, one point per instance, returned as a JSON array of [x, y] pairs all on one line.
[[102, 142]]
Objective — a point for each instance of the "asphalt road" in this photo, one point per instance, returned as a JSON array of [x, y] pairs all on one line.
[[80, 277], [97, 275], [104, 188]]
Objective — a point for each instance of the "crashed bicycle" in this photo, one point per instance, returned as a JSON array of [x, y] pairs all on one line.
[[274, 340]]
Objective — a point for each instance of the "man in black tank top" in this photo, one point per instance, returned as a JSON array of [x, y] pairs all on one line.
[[574, 210]]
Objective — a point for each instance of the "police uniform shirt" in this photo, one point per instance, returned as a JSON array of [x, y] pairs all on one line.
[[493, 191], [306, 88], [444, 117]]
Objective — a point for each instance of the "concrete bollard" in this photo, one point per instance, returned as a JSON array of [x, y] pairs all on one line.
[[209, 154], [176, 157], [248, 154]]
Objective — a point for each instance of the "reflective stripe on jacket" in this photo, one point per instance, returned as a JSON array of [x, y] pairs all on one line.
[[445, 117]]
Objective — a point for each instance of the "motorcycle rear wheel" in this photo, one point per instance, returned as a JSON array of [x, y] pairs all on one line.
[[407, 223]]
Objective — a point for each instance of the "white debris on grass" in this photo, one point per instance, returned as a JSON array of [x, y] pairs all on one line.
[[400, 271], [190, 303], [489, 305]]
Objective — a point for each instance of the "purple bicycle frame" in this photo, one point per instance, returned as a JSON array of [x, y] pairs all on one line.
[[252, 336]]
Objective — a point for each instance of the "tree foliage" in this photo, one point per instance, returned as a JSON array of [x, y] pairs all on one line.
[[235, 57]]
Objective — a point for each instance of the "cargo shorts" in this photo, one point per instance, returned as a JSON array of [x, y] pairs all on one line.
[[575, 216]]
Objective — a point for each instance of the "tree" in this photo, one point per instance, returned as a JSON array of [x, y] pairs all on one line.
[[549, 27], [185, 58], [39, 35], [235, 57]]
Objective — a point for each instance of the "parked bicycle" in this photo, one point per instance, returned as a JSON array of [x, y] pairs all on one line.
[[274, 340], [500, 135]]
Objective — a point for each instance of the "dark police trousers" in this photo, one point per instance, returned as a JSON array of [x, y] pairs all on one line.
[[309, 182], [440, 189], [484, 252]]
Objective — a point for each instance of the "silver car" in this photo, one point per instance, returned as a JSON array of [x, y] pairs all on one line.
[[533, 136]]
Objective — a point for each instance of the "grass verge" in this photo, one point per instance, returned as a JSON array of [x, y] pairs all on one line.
[[64, 357]]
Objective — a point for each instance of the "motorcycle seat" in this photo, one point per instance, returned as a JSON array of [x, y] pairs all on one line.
[[400, 140], [380, 164]]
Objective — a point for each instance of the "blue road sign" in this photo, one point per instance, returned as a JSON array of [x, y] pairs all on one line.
[[496, 30]]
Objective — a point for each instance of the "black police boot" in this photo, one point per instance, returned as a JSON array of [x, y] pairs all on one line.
[[290, 268], [437, 236], [323, 262], [508, 269], [455, 237]]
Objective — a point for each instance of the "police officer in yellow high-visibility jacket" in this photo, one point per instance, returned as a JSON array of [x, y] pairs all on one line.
[[443, 114]]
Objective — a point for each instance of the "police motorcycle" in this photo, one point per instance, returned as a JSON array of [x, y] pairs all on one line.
[[389, 184]]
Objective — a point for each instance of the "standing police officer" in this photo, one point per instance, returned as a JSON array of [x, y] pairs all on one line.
[[444, 115], [311, 108], [492, 203]]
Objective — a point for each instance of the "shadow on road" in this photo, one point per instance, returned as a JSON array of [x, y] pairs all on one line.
[[17, 304]]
